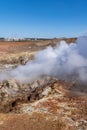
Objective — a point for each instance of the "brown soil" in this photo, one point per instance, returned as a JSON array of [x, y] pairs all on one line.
[[56, 111], [61, 107], [13, 47]]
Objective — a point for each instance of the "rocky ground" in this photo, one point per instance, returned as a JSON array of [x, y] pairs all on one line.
[[16, 52], [45, 104]]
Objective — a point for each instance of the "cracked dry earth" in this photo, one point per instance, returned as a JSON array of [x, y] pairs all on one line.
[[45, 104]]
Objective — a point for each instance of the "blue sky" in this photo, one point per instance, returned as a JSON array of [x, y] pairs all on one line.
[[43, 18]]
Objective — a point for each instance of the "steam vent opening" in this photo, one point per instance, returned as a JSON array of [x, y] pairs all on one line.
[[44, 81]]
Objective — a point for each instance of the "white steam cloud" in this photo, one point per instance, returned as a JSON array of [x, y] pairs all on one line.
[[61, 61]]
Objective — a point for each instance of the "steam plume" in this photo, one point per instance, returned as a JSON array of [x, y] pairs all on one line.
[[61, 61]]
